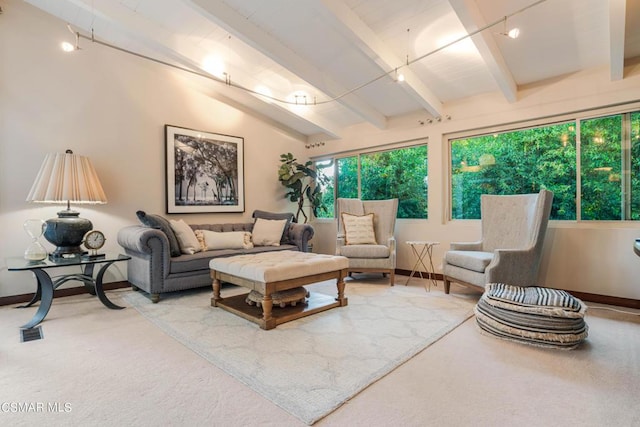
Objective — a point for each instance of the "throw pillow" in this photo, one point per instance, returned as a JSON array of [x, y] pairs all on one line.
[[273, 215], [267, 232], [156, 221], [214, 240], [186, 237], [359, 229]]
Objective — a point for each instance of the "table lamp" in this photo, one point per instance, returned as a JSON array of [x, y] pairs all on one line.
[[67, 178]]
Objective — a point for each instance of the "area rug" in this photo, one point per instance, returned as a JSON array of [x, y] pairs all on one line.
[[311, 366]]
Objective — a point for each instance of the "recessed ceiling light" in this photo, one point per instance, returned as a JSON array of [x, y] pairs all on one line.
[[514, 33]]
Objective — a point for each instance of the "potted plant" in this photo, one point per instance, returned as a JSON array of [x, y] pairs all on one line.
[[303, 184]]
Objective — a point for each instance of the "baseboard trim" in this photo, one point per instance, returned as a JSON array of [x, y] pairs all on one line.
[[59, 293], [600, 299], [606, 299]]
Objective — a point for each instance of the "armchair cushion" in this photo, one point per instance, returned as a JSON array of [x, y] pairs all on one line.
[[156, 221], [470, 260], [365, 251], [359, 229]]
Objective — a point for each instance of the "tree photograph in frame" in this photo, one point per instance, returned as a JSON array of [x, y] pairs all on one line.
[[204, 170]]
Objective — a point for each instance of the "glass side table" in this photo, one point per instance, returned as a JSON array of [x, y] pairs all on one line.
[[47, 284], [421, 250]]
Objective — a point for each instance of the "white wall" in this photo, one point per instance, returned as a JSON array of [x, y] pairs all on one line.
[[111, 107], [595, 258]]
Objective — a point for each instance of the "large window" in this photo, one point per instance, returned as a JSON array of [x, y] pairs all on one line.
[[600, 156], [399, 173]]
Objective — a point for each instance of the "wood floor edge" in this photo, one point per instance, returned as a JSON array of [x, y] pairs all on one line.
[[59, 293], [588, 297]]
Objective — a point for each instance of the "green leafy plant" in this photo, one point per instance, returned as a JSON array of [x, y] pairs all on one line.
[[303, 184]]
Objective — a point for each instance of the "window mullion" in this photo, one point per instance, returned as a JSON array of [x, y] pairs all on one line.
[[626, 166], [578, 171], [359, 178]]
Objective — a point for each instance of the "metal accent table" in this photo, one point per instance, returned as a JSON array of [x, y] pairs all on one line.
[[47, 284], [422, 249]]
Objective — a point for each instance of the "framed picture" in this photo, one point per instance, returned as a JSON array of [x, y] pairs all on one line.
[[205, 171]]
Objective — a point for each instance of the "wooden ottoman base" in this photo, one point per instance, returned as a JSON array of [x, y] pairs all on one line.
[[282, 299], [335, 267]]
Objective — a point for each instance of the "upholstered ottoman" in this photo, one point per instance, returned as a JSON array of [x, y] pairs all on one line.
[[270, 272], [533, 315]]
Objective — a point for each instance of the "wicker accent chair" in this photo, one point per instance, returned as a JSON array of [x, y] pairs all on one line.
[[513, 230], [366, 258]]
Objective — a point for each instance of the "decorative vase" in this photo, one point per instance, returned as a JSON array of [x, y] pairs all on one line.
[[35, 229]]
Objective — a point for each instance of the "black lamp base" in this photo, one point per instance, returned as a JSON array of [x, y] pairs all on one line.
[[62, 252], [67, 233]]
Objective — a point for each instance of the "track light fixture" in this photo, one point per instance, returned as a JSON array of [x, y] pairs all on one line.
[[68, 47], [512, 33], [314, 145], [436, 119]]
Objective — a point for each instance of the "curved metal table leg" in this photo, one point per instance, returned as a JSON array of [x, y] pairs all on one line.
[[89, 284], [45, 286], [36, 296], [100, 291]]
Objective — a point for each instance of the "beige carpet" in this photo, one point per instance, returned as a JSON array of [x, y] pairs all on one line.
[[313, 365], [116, 368]]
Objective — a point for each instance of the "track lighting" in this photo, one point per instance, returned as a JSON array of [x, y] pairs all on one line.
[[436, 119], [298, 99], [512, 33], [314, 145], [68, 47]]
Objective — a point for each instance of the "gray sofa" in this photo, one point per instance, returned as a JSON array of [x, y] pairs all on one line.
[[153, 269]]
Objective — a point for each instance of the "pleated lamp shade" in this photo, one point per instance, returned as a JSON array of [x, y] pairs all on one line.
[[67, 178]]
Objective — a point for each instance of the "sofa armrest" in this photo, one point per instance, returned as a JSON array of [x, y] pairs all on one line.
[[136, 238], [150, 256], [300, 234]]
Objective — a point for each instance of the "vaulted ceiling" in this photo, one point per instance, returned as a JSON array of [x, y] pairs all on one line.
[[315, 67]]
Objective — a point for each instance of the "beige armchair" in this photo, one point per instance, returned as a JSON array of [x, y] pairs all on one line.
[[371, 257], [513, 230]]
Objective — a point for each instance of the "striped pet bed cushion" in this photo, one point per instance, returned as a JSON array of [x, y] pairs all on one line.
[[533, 296], [549, 340], [534, 315], [531, 322]]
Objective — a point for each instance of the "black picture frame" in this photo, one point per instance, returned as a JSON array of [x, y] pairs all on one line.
[[204, 171]]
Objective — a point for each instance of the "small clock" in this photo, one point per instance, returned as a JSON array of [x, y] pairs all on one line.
[[93, 241]]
